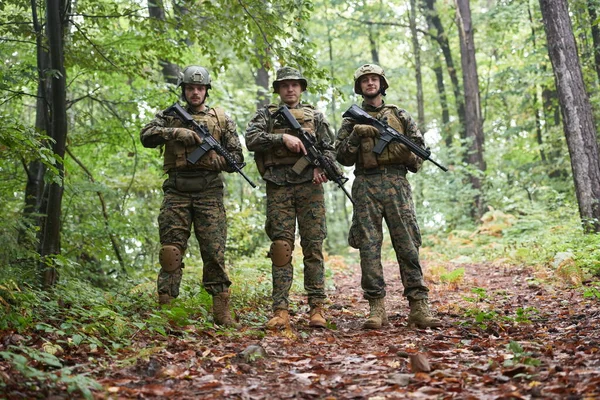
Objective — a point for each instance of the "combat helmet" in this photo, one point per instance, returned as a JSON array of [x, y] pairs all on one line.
[[194, 74], [288, 73], [370, 69]]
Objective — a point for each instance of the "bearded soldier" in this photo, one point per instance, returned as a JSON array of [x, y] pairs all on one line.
[[193, 193], [381, 191], [292, 195]]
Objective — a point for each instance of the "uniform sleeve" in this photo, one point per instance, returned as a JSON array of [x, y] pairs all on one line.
[[231, 141], [346, 148], [158, 131], [257, 137], [412, 131], [324, 136]]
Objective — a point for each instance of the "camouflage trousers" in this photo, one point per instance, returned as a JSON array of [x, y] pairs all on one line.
[[179, 211], [303, 202], [386, 197]]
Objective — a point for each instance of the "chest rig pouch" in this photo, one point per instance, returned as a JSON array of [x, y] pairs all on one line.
[[176, 152], [280, 155], [367, 157]]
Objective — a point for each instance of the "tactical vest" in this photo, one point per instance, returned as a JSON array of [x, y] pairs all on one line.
[[176, 152], [367, 158], [280, 155]]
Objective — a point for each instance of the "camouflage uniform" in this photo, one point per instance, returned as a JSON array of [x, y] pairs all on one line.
[[193, 195], [381, 191], [291, 197]]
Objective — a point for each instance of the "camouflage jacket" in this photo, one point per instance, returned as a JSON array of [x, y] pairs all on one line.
[[348, 151], [261, 138], [160, 130]]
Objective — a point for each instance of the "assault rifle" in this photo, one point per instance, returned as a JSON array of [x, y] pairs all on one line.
[[313, 155], [208, 142], [388, 134]]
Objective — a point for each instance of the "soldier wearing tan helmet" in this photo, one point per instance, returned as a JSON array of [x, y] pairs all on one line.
[[381, 191], [193, 193], [292, 197]]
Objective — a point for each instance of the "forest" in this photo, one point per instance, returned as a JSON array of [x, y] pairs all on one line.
[[507, 96]]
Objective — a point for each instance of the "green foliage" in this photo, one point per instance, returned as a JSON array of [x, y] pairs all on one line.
[[520, 356], [453, 276], [43, 371]]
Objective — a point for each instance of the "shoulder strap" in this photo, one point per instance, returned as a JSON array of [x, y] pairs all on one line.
[[219, 114]]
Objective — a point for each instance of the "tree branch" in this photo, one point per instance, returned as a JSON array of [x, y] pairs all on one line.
[[113, 240], [257, 24]]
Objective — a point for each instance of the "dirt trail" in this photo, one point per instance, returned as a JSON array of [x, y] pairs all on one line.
[[555, 351]]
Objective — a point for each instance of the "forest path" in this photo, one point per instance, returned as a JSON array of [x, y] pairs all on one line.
[[555, 349]]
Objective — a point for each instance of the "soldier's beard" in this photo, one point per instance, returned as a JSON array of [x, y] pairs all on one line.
[[372, 96]]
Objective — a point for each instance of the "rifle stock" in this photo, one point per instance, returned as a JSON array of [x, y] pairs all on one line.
[[387, 134], [208, 142]]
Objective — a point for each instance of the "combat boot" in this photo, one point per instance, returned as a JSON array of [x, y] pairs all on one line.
[[377, 316], [420, 315], [281, 319], [221, 312], [317, 319], [165, 298]]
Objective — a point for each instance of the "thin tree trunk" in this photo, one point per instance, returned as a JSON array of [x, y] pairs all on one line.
[[538, 111], [51, 237], [373, 45], [578, 125], [417, 56], [474, 124], [434, 21], [592, 5], [170, 71]]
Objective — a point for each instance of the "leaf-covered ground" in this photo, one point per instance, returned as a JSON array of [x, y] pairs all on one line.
[[508, 334]]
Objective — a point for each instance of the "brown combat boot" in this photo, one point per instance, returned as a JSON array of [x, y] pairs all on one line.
[[165, 298], [221, 312], [377, 316], [420, 315], [281, 319], [317, 318]]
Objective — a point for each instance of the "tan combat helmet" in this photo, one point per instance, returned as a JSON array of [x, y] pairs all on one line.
[[370, 69], [288, 73], [194, 74]]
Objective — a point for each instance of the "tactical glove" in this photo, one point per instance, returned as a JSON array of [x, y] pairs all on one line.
[[402, 153], [187, 136], [365, 131], [219, 162]]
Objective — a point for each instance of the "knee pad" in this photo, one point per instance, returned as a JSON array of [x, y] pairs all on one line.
[[280, 253], [170, 258]]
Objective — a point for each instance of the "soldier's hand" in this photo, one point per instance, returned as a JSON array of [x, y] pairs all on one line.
[[293, 143], [187, 136], [402, 153], [219, 163], [319, 176], [365, 131]]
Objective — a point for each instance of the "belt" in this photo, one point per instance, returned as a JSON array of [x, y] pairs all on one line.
[[388, 170]]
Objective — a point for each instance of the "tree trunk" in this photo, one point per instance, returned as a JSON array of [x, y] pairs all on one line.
[[435, 23], [263, 93], [373, 45], [36, 170], [474, 124], [51, 237], [578, 124], [417, 55], [170, 71]]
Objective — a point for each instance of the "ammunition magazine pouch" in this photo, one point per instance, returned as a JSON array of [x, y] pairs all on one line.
[[188, 181]]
